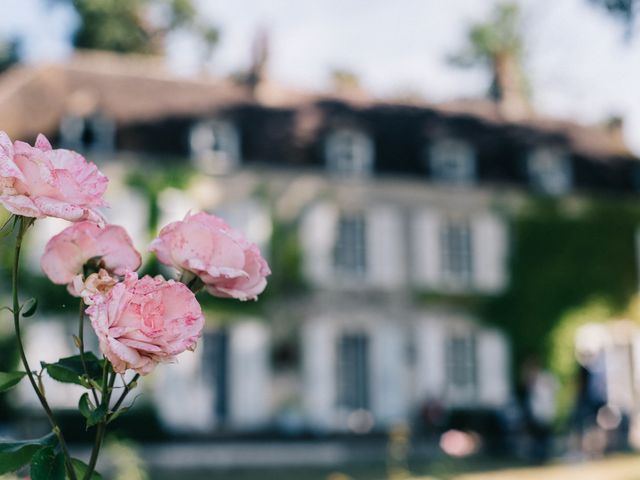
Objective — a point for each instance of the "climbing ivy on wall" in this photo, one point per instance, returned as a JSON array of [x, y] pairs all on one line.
[[564, 253]]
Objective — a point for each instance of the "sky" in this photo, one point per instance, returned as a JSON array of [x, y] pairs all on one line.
[[579, 64]]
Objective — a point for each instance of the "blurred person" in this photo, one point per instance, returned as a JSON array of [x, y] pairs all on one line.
[[591, 396], [539, 390]]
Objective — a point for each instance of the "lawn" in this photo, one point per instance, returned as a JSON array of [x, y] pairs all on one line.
[[613, 468]]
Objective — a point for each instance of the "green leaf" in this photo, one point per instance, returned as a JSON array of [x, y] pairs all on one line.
[[94, 415], [70, 370], [118, 413], [8, 380], [14, 455], [85, 406], [46, 465], [97, 415], [80, 468], [29, 307]]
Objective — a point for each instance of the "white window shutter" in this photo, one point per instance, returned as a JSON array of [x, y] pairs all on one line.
[[249, 375], [182, 413], [390, 374], [490, 246], [318, 237], [319, 373], [430, 361], [426, 251], [384, 250], [492, 353]]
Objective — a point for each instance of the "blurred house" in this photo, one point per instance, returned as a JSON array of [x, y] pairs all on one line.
[[401, 209]]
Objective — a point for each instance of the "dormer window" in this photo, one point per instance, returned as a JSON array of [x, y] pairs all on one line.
[[549, 170], [349, 152], [215, 146], [94, 133], [452, 162]]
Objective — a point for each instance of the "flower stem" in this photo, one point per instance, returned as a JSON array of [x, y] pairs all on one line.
[[23, 225], [81, 348], [108, 378], [127, 389]]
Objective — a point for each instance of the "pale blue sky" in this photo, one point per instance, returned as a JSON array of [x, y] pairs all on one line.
[[578, 63]]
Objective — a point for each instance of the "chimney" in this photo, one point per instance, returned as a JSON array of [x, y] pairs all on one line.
[[615, 128], [509, 87], [257, 73]]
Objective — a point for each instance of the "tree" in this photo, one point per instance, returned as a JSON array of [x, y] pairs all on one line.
[[625, 10], [136, 26], [8, 53]]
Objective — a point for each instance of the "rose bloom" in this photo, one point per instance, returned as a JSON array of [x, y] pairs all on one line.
[[41, 182], [94, 288], [203, 244], [67, 252], [142, 322]]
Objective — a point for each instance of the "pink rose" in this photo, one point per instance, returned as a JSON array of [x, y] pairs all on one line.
[[41, 182], [203, 244], [94, 288], [66, 253], [142, 322]]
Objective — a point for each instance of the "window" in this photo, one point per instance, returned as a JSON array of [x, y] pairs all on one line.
[[353, 372], [461, 367], [349, 152], [456, 251], [350, 255], [215, 146], [452, 162], [549, 171], [95, 133], [215, 360]]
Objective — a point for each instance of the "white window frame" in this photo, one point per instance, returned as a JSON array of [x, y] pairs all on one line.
[[452, 161], [549, 170], [349, 151], [215, 146]]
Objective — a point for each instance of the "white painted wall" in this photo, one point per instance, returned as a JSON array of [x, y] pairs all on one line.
[[425, 243]]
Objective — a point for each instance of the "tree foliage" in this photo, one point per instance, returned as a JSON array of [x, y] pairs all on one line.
[[624, 10], [500, 34], [8, 53], [136, 26]]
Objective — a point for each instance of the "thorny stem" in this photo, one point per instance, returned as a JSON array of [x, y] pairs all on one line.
[[23, 225]]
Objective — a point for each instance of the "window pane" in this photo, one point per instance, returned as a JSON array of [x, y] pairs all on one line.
[[457, 256], [461, 366], [353, 372], [350, 255]]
